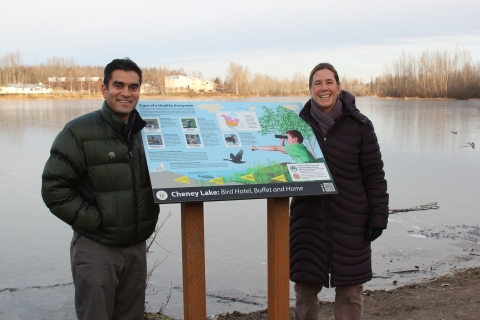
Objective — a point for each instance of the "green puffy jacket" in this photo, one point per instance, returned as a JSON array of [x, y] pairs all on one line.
[[97, 180]]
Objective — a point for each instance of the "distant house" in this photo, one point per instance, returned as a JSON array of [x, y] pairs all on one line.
[[24, 89], [79, 84], [181, 83], [148, 88], [221, 88]]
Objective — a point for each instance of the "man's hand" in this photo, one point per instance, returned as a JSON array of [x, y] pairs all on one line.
[[372, 233]]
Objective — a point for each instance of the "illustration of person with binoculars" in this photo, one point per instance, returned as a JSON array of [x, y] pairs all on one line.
[[294, 147]]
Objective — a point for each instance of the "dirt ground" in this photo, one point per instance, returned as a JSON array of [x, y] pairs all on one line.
[[455, 296]]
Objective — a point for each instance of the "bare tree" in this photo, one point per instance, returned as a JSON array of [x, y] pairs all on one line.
[[238, 78], [440, 74]]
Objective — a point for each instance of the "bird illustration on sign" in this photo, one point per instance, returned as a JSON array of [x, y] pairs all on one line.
[[236, 158]]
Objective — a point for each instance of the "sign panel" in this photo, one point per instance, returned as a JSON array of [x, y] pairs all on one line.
[[209, 151]]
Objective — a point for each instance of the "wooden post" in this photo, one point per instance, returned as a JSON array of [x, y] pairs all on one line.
[[278, 229], [193, 261]]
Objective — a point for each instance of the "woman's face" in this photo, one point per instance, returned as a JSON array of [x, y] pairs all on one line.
[[324, 90]]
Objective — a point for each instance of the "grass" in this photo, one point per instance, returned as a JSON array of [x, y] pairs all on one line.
[[262, 174]]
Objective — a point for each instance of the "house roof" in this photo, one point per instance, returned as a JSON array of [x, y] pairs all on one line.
[[189, 77], [20, 85]]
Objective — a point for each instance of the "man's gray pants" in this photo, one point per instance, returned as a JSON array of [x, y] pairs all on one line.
[[109, 281]]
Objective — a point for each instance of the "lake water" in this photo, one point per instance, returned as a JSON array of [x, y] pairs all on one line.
[[424, 162]]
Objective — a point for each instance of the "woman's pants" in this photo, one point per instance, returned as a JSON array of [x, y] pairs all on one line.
[[348, 302]]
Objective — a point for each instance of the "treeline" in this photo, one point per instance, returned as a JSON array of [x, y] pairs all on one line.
[[14, 71], [240, 81], [444, 73], [437, 74], [433, 74]]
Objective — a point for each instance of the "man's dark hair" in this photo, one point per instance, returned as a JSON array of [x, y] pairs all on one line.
[[295, 134], [320, 66], [124, 64]]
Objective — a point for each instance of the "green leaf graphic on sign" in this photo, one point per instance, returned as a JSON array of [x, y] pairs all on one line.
[[281, 120]]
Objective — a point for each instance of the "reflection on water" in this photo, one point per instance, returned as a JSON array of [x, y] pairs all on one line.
[[424, 126], [424, 162]]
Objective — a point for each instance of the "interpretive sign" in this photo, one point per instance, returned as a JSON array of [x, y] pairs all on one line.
[[209, 151]]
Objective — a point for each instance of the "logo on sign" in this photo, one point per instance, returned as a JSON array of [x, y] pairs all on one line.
[[161, 195]]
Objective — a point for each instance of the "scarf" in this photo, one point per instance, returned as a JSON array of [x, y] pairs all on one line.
[[326, 121]]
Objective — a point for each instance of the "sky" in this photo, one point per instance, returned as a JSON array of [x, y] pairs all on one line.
[[278, 38]]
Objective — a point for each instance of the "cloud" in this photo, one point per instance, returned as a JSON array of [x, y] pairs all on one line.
[[292, 107], [270, 37], [212, 108]]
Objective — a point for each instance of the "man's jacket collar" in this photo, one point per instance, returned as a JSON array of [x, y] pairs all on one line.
[[136, 122]]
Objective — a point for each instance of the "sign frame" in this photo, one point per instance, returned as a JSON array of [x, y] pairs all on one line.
[[215, 151]]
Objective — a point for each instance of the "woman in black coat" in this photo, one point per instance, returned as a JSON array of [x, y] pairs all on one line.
[[330, 235]]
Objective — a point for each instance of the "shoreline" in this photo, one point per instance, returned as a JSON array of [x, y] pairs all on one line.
[[75, 96], [451, 296]]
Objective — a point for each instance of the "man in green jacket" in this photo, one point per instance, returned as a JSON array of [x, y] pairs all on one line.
[[97, 181]]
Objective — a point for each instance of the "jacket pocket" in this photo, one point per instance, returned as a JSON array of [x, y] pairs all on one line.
[[85, 189]]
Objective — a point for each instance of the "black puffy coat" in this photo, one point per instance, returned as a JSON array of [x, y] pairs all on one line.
[[97, 179], [327, 232]]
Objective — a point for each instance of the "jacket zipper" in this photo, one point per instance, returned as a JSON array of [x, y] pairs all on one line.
[[327, 204], [135, 200], [327, 218], [141, 162]]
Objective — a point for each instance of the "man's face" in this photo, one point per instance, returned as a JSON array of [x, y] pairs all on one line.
[[122, 93], [324, 90]]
